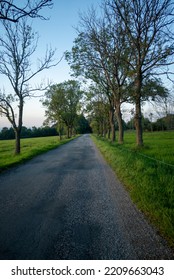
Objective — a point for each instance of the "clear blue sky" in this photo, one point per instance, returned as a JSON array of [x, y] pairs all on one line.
[[58, 32]]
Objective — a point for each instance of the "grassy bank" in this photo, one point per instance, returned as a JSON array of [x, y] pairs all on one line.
[[148, 175], [30, 147]]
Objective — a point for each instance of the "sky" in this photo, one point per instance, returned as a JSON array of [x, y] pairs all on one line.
[[58, 32]]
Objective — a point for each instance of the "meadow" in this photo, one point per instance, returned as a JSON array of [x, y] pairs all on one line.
[[30, 147], [148, 175]]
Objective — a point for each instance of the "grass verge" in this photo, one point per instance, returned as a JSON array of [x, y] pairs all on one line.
[[149, 181], [30, 148]]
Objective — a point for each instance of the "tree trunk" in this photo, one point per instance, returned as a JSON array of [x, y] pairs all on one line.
[[71, 131], [111, 118], [138, 115], [109, 133], [138, 124], [19, 128], [68, 132], [17, 142], [120, 123]]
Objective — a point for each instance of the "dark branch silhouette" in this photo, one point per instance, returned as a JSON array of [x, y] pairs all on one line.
[[11, 11]]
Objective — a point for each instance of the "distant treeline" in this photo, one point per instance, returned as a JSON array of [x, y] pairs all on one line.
[[8, 133], [82, 126]]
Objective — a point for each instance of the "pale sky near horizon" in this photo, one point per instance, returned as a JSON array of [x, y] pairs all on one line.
[[58, 32]]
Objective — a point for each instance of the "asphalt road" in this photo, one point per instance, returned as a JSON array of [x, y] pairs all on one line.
[[68, 204]]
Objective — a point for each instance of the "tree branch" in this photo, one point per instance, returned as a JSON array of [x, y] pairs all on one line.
[[11, 12]]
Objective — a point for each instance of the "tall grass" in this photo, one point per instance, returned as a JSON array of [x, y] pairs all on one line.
[[30, 147], [148, 175]]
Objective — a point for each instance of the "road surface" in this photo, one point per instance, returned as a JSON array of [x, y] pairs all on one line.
[[68, 204]]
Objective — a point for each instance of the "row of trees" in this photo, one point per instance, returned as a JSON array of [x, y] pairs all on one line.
[[160, 116], [123, 50], [99, 116], [18, 42], [81, 126], [63, 108], [8, 133]]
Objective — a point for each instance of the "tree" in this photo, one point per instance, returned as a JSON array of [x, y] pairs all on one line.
[[13, 11], [147, 25], [62, 104], [98, 111], [7, 133], [82, 125], [99, 54], [98, 93], [163, 106], [17, 48]]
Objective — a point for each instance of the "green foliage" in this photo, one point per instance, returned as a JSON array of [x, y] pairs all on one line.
[[148, 174], [30, 148], [62, 104], [8, 133], [82, 125]]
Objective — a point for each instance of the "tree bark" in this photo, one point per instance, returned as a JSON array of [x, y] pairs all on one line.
[[138, 114], [19, 127], [138, 124], [68, 132], [109, 133], [120, 123], [71, 131], [17, 142], [111, 118]]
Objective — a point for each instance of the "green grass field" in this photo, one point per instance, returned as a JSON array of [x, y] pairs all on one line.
[[148, 175], [30, 147], [158, 145]]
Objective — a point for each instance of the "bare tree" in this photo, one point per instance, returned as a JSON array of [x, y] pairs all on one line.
[[17, 48], [148, 25], [12, 11]]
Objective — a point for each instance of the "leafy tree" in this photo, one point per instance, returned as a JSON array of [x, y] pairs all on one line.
[[62, 104], [7, 133], [82, 125], [98, 54], [17, 48], [98, 112], [97, 93], [147, 27]]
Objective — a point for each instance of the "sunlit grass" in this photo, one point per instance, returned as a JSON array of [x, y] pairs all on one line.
[[149, 180], [159, 145], [30, 147]]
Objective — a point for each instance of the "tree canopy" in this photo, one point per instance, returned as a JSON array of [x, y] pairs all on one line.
[[128, 45], [62, 104]]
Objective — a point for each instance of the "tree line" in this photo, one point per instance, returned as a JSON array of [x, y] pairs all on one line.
[[81, 126], [63, 103], [98, 123], [123, 48]]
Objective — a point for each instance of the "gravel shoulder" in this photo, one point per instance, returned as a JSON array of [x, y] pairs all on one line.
[[68, 204]]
